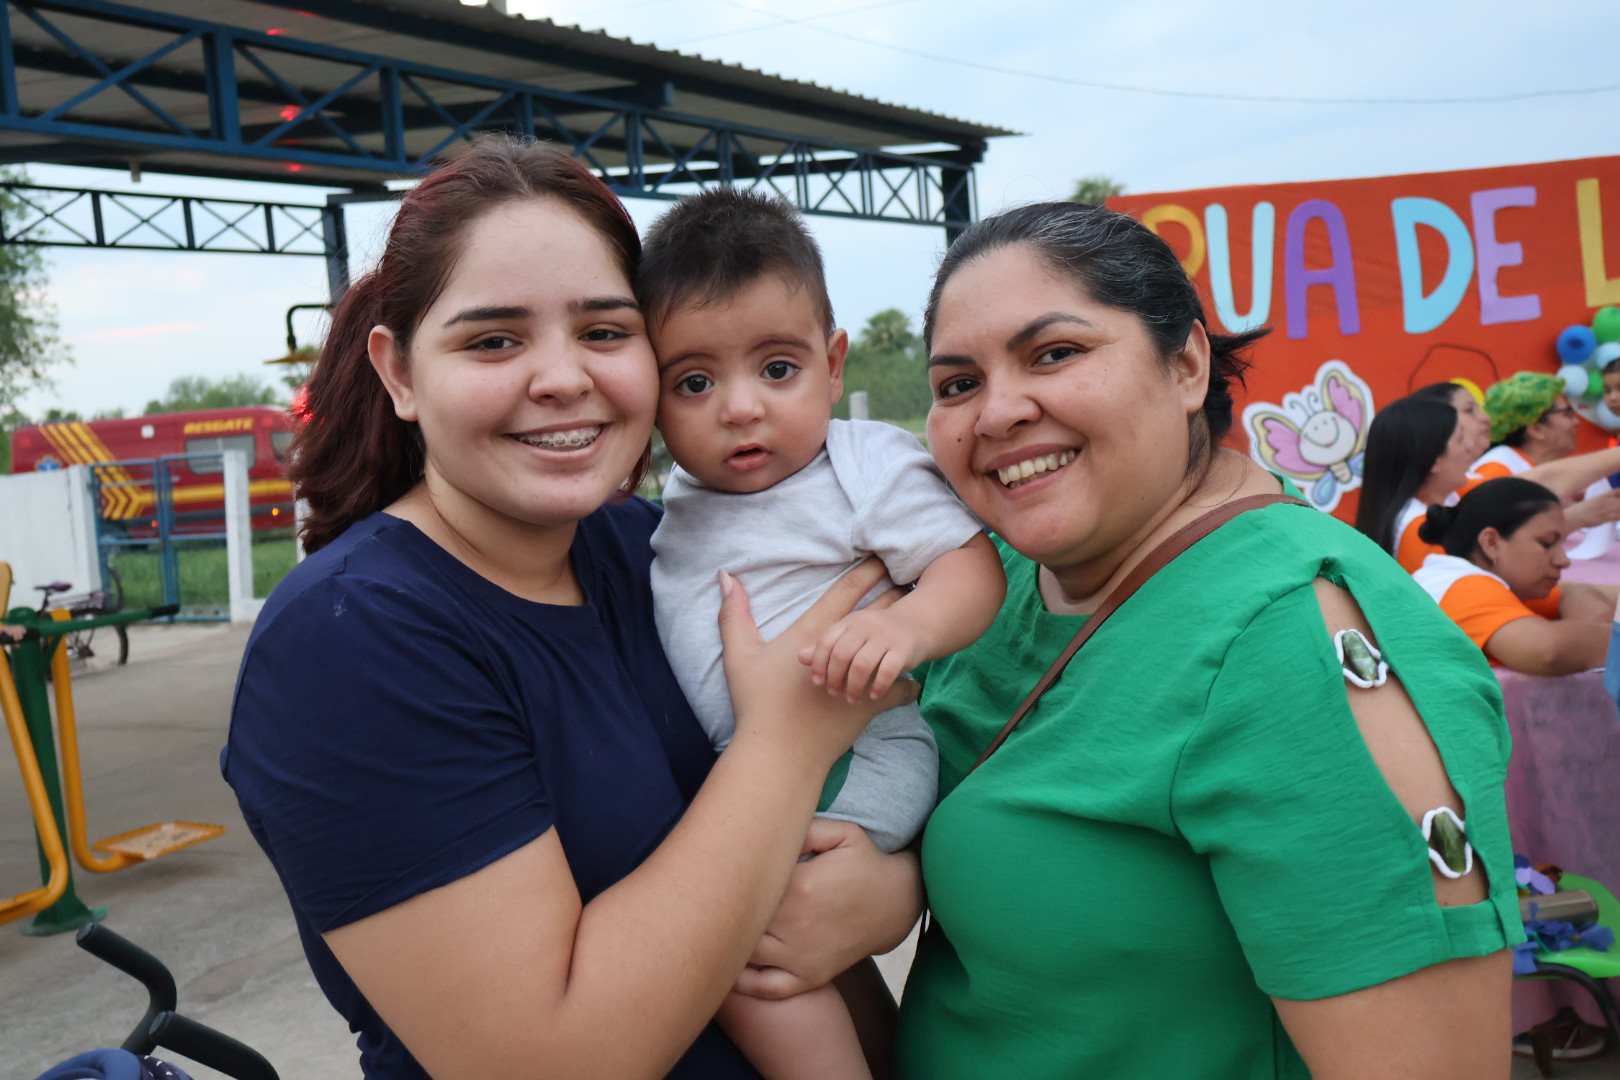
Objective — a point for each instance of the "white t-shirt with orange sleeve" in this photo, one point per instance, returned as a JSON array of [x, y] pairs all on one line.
[[1477, 600], [1496, 462], [1410, 549]]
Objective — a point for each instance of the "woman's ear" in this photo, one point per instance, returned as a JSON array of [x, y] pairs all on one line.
[[1490, 544], [1189, 369], [391, 366]]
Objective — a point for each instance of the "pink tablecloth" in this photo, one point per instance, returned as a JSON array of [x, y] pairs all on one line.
[[1603, 570], [1563, 793]]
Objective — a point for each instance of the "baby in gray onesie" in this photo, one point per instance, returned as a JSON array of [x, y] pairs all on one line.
[[770, 488]]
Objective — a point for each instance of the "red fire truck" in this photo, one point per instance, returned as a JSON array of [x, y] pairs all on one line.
[[198, 490]]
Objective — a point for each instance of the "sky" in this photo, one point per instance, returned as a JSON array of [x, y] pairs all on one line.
[[1158, 94]]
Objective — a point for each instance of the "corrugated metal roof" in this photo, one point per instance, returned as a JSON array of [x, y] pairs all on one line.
[[677, 63], [444, 34], [395, 22]]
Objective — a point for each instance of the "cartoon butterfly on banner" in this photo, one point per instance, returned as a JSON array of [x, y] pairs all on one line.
[[1315, 437]]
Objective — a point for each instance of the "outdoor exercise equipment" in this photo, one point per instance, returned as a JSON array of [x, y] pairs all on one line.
[[53, 858], [124, 849], [28, 716]]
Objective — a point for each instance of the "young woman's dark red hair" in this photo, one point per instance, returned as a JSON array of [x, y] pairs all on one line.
[[354, 456]]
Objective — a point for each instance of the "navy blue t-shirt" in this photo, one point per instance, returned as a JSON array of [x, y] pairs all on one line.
[[401, 722]]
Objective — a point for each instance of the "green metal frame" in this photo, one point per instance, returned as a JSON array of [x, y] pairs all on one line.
[[30, 661]]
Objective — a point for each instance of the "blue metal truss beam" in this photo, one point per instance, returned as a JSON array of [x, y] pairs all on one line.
[[156, 76], [144, 221], [362, 120], [396, 21], [260, 92]]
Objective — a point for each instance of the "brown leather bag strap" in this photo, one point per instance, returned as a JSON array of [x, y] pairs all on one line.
[[1157, 559]]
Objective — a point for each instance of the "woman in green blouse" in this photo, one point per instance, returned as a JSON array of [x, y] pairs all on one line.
[[1200, 855]]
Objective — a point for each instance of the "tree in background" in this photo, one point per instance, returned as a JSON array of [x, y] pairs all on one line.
[[1095, 190], [887, 361], [10, 420], [29, 345], [68, 416], [190, 392], [889, 331]]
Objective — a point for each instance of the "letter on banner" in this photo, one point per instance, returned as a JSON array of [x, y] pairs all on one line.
[[1262, 236], [1601, 289], [1494, 254], [1184, 217], [1341, 275], [1423, 313]]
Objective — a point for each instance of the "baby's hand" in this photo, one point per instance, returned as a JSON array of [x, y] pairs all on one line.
[[864, 652]]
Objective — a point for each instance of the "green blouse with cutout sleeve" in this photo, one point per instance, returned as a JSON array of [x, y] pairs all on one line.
[[1189, 821]]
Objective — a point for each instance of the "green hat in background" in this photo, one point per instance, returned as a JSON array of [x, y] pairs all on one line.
[[1519, 400]]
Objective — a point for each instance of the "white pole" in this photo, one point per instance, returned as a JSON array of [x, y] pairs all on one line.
[[857, 406], [300, 512], [239, 537]]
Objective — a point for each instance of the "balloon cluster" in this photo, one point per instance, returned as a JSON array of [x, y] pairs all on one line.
[[1585, 351]]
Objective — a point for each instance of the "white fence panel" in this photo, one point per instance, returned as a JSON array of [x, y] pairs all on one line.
[[48, 532]]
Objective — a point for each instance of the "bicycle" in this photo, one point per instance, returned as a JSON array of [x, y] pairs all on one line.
[[107, 600], [162, 1027]]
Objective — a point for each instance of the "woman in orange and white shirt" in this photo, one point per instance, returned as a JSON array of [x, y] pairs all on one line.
[[1419, 450], [1532, 423], [1418, 453], [1471, 415], [1548, 439], [1498, 579]]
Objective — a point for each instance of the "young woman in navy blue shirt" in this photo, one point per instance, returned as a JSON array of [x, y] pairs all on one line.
[[508, 848]]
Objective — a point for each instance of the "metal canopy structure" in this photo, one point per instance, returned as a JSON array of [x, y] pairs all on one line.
[[352, 93], [77, 217]]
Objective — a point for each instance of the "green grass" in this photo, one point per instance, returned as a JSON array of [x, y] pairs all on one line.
[[201, 565]]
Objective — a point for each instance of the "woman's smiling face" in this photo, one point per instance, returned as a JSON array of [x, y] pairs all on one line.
[[531, 375], [1055, 416]]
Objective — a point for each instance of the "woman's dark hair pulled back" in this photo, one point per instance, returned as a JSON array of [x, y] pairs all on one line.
[[1405, 439], [353, 456], [1124, 264], [1502, 504]]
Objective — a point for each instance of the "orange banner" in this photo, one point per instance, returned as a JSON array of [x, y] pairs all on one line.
[[1376, 287]]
